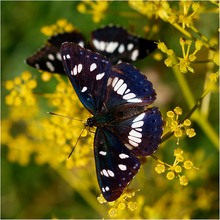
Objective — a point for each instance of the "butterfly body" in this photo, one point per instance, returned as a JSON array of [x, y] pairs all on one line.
[[118, 96]]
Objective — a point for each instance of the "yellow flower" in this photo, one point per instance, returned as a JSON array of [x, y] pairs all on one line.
[[176, 127], [96, 8], [183, 180], [170, 175], [61, 26], [190, 132], [160, 168], [21, 90], [178, 151], [188, 164], [178, 169], [113, 212], [132, 206]]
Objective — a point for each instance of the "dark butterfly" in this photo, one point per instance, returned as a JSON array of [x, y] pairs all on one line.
[[118, 45], [113, 42], [48, 57], [118, 96]]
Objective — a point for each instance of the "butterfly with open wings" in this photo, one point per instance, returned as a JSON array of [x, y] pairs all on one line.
[[118, 96]]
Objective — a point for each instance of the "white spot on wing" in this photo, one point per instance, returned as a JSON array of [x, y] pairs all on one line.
[[130, 46], [99, 76], [102, 152], [37, 66], [81, 44], [129, 146], [75, 70], [121, 48], [129, 96], [109, 81], [50, 66], [111, 46], [105, 173], [93, 66], [118, 84], [51, 56], [123, 156], [137, 124], [68, 56], [134, 144], [134, 100], [102, 45], [84, 89], [135, 134], [96, 43], [110, 173], [122, 167], [139, 117], [134, 55], [135, 139], [115, 80], [122, 89], [79, 69], [58, 56]]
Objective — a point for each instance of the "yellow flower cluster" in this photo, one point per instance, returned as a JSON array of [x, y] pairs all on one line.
[[176, 168], [186, 14], [96, 8], [121, 205], [177, 127], [21, 90], [49, 138], [61, 26], [184, 63]]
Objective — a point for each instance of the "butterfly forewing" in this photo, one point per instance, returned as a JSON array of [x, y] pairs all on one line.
[[128, 87], [115, 164], [48, 58], [88, 73], [118, 45]]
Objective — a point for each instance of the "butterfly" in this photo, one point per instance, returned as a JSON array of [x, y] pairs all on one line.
[[48, 57], [113, 42], [118, 96], [118, 45]]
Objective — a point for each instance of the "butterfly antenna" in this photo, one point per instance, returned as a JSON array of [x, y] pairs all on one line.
[[65, 116], [76, 142]]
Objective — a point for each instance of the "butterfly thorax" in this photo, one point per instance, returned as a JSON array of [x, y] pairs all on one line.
[[114, 116]]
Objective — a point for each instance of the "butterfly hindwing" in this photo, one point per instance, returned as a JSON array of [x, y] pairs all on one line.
[[118, 45], [140, 133], [48, 57], [115, 164]]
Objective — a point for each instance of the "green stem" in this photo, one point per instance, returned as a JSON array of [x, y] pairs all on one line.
[[198, 117], [184, 86], [208, 129]]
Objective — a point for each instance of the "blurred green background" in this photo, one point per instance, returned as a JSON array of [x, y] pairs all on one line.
[[38, 191]]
